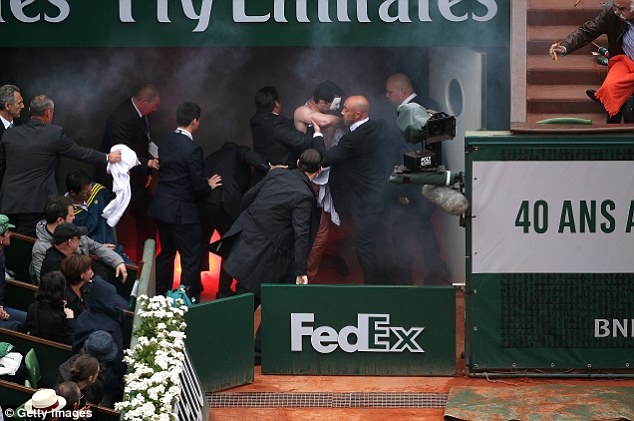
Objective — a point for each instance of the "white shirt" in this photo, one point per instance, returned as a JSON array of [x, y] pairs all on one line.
[[356, 124], [5, 122], [408, 99]]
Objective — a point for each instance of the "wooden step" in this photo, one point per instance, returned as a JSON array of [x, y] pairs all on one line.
[[564, 5], [564, 93], [556, 33], [544, 17], [559, 108], [542, 47], [583, 70]]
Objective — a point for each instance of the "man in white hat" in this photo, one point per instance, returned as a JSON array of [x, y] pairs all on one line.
[[43, 404]]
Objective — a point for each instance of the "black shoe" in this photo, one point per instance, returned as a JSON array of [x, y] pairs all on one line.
[[340, 265], [592, 95]]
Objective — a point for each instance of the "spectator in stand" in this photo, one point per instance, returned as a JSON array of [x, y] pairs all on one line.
[[104, 312], [10, 318], [89, 200], [70, 391], [109, 382], [85, 372], [59, 211], [48, 316], [78, 272], [43, 404]]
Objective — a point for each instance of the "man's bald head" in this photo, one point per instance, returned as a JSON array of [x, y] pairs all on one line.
[[398, 87], [355, 108]]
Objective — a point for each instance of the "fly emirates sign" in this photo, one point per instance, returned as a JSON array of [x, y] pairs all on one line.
[[372, 333], [254, 11]]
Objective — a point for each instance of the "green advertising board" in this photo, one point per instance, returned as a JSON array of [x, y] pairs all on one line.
[[550, 273], [188, 23], [358, 330]]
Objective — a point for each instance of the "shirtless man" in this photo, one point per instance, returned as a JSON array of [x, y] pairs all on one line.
[[326, 100]]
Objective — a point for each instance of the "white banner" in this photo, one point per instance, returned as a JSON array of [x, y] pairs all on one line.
[[553, 217]]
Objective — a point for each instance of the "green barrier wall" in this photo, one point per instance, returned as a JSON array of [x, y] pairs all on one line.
[[550, 278], [220, 342], [358, 330]]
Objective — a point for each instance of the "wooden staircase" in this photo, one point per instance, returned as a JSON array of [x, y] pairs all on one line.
[[557, 88]]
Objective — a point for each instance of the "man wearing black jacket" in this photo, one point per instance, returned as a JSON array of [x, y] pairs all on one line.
[[275, 137], [220, 208]]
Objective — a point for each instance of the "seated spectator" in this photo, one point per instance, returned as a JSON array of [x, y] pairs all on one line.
[[78, 272], [85, 372], [57, 211], [110, 380], [43, 405], [104, 312], [89, 200], [10, 318], [65, 242], [48, 317], [70, 391]]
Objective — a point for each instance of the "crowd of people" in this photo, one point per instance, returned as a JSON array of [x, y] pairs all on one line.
[[281, 206]]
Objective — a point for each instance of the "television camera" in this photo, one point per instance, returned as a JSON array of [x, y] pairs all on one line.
[[425, 166]]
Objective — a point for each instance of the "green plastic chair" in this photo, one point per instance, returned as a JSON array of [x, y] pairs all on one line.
[[33, 373], [19, 410]]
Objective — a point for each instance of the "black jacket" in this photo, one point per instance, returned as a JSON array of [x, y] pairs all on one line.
[[359, 169], [277, 141], [605, 23], [234, 164], [49, 322]]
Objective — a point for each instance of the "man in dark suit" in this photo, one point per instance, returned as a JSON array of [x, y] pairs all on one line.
[[274, 136], [181, 185], [129, 125], [29, 160], [219, 209], [411, 213], [271, 239], [358, 176], [11, 105]]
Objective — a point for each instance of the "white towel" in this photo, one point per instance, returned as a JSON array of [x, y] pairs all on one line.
[[324, 198], [120, 183], [10, 363]]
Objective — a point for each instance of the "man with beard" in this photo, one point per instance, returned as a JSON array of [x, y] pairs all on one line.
[[615, 21]]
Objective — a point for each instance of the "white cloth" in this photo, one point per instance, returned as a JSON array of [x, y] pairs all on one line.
[[10, 363], [324, 198], [120, 184]]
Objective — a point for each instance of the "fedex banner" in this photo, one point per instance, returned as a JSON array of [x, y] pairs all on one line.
[[144, 23], [365, 330], [552, 217]]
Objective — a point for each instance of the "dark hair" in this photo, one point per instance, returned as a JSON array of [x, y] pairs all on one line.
[[69, 390], [56, 207], [84, 366], [186, 113], [147, 93], [76, 180], [73, 266], [327, 91], [52, 289], [310, 161], [265, 98]]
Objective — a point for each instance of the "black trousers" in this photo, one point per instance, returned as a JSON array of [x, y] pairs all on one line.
[[214, 217], [186, 239]]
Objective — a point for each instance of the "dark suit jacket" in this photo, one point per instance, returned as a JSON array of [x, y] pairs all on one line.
[[29, 159], [234, 164], [182, 182], [124, 126], [277, 141], [359, 168], [272, 237]]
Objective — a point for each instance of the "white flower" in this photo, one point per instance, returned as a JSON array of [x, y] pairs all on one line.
[[152, 387]]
